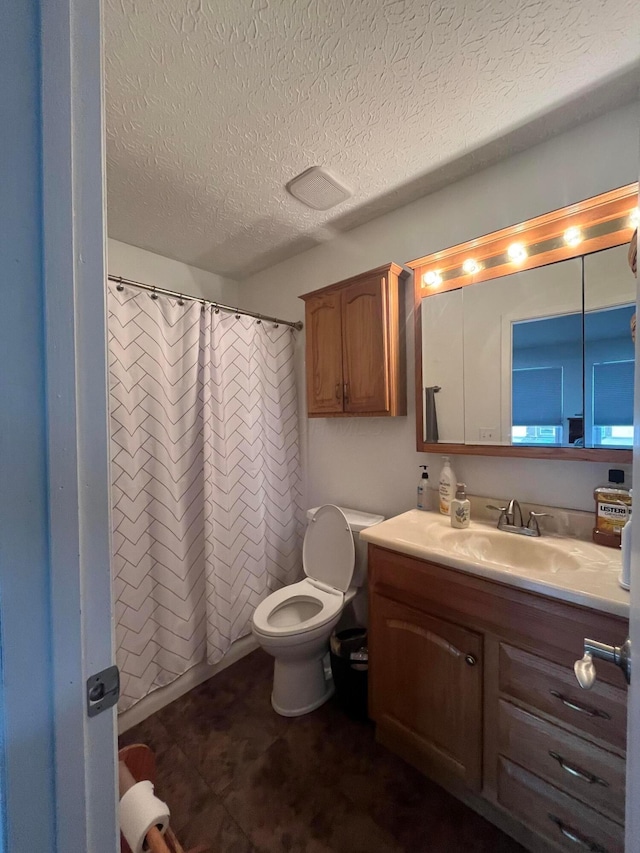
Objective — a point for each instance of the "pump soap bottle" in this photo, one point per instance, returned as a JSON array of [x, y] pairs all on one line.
[[613, 505], [446, 486], [460, 508], [423, 489]]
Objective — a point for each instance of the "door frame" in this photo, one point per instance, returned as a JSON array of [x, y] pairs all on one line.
[[74, 237], [632, 821]]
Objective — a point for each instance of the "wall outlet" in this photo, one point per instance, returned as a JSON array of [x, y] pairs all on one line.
[[488, 434]]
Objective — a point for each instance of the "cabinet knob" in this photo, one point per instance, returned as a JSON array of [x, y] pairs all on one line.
[[470, 660]]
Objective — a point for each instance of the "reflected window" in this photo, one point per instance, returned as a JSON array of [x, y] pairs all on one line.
[[545, 435], [537, 405], [546, 381], [609, 376], [613, 404]]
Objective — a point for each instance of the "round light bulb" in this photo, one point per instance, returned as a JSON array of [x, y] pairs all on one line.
[[517, 253], [432, 278], [634, 217], [470, 266], [573, 236]]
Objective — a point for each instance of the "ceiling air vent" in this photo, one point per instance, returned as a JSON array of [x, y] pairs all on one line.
[[318, 188]]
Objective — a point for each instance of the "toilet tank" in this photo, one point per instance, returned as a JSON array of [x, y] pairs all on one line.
[[357, 521]]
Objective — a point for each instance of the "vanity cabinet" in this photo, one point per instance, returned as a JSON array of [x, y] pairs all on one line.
[[472, 681], [438, 717], [355, 346]]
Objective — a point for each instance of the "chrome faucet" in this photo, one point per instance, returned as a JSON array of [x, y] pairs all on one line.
[[511, 520], [511, 513]]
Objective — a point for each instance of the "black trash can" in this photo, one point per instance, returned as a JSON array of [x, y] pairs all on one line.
[[350, 669]]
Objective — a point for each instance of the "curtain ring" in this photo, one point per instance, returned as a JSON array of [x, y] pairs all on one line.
[[258, 322], [154, 295], [276, 325], [237, 315], [120, 285], [216, 309], [180, 300]]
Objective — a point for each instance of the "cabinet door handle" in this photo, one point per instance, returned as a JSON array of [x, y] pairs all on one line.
[[591, 778], [337, 390], [574, 835], [470, 660], [345, 390], [583, 709]]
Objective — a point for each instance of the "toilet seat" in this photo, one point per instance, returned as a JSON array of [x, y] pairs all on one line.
[[328, 559], [328, 551], [296, 609]]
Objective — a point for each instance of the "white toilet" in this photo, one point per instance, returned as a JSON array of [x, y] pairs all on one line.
[[294, 624]]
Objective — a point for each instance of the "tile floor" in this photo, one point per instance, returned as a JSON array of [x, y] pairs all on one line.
[[243, 779]]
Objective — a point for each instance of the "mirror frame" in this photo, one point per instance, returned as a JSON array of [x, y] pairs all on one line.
[[605, 221]]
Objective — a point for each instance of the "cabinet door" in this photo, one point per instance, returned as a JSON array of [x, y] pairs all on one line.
[[324, 353], [426, 690], [365, 346]]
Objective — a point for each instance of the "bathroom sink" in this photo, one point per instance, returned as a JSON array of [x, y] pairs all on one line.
[[509, 550], [570, 569]]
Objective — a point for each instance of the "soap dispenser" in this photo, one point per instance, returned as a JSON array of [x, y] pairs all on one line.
[[460, 508], [423, 489]]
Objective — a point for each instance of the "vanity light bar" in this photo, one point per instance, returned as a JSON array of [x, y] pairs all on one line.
[[598, 223]]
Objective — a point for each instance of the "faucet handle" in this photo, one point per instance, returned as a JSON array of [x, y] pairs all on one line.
[[503, 520], [532, 524]]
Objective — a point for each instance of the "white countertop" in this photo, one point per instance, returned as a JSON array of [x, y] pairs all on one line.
[[567, 569]]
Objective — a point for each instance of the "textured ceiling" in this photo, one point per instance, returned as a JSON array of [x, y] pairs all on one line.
[[213, 105]]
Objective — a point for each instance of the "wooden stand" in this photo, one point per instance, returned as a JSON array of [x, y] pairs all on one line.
[[136, 764]]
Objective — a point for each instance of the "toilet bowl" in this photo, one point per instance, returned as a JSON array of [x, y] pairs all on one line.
[[294, 624]]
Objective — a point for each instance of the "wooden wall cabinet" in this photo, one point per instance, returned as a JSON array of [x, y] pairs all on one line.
[[472, 682], [355, 346]]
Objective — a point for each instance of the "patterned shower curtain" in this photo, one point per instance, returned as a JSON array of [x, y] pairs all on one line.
[[206, 484]]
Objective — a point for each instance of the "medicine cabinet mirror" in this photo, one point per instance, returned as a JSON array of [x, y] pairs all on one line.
[[524, 341]]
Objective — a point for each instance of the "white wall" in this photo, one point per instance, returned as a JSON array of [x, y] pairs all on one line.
[[372, 463], [149, 268]]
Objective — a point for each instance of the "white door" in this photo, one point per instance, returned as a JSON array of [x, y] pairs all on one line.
[[633, 729], [57, 768]]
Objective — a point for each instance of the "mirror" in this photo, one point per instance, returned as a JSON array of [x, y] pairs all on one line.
[[531, 362], [609, 306]]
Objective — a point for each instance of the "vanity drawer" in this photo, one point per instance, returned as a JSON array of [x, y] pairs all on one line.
[[552, 689], [578, 767], [568, 824]]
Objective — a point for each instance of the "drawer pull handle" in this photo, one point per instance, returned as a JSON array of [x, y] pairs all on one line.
[[575, 836], [591, 778], [583, 709]]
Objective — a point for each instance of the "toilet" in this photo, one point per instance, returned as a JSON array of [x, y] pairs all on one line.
[[294, 624]]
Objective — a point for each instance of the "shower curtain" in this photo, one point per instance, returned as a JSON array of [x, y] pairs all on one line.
[[206, 483]]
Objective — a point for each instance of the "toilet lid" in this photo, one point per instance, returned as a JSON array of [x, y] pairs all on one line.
[[329, 553]]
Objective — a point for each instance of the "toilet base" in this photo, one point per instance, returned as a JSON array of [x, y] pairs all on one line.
[[300, 687]]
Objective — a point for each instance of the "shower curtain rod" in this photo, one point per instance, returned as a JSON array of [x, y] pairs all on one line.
[[118, 279]]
